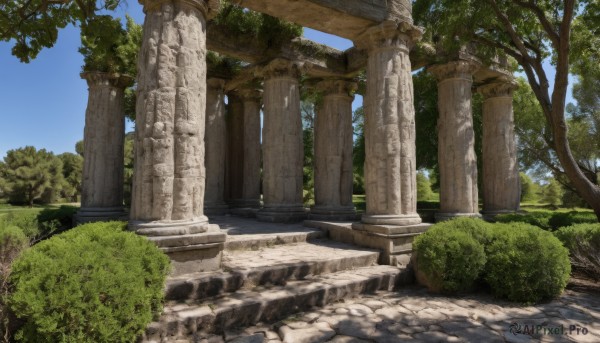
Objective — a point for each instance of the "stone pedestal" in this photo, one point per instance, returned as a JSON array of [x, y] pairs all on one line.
[[501, 183], [333, 153], [104, 139], [216, 148], [390, 161], [456, 140], [282, 143], [169, 177], [251, 148]]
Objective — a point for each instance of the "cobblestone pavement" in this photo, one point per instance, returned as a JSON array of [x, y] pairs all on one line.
[[414, 315]]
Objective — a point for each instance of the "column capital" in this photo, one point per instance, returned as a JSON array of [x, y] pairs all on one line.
[[498, 89], [463, 69], [390, 34], [215, 83], [281, 68], [98, 79], [400, 10], [249, 93], [337, 87], [209, 8]]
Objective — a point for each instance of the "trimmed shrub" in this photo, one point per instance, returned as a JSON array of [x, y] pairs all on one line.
[[12, 242], [25, 220], [94, 283], [583, 242], [536, 218], [448, 256], [526, 264], [562, 219]]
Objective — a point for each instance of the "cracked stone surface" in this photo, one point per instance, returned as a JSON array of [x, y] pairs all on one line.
[[414, 315]]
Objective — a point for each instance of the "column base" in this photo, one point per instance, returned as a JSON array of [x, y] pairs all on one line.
[[100, 214], [216, 209], [441, 216], [336, 214], [281, 214], [192, 245], [490, 215], [394, 219]]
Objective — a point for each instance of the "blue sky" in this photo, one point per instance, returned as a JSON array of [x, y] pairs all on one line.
[[43, 103]]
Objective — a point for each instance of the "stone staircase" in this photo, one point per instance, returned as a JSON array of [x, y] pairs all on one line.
[[269, 272]]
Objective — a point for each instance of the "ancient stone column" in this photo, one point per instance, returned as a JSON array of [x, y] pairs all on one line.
[[235, 149], [333, 152], [252, 99], [501, 183], [216, 148], [104, 139], [169, 175], [283, 151], [456, 140], [390, 161]]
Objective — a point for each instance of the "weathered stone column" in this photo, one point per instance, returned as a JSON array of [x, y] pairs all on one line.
[[282, 143], [169, 175], [252, 158], [456, 140], [104, 139], [216, 148], [333, 152], [390, 164], [235, 149], [501, 183]]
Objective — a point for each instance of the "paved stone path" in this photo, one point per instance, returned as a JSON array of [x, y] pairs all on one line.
[[414, 315]]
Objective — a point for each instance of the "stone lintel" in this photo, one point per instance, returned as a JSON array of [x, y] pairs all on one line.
[[209, 8], [281, 68], [339, 87], [250, 93], [96, 78], [348, 18]]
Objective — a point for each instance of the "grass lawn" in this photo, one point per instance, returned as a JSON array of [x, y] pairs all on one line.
[[7, 208]]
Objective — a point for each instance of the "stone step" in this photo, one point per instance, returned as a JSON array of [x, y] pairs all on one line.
[[250, 234], [268, 304], [270, 266]]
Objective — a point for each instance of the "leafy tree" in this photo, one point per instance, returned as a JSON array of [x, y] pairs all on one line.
[[307, 110], [128, 167], [529, 189], [358, 151], [29, 173], [72, 174], [424, 192], [553, 193], [530, 32]]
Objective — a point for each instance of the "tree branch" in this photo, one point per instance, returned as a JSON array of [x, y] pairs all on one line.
[[548, 27]]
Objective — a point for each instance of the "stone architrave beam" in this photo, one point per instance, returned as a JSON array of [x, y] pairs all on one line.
[[283, 151], [104, 139], [333, 152], [456, 140], [501, 182], [169, 180]]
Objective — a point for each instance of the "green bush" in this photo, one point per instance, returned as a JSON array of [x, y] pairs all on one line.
[[526, 264], [12, 242], [95, 283], [562, 219], [449, 256], [537, 218], [24, 220], [583, 242]]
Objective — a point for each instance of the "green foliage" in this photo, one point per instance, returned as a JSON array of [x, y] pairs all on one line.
[[552, 193], [72, 175], [12, 242], [424, 192], [128, 167], [529, 189], [34, 25], [358, 153], [562, 219], [27, 222], [108, 47], [308, 122], [548, 220], [583, 242], [40, 225], [95, 283], [270, 31], [451, 254], [29, 173], [526, 264], [51, 219]]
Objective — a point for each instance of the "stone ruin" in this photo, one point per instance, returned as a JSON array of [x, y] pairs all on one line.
[[190, 161]]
